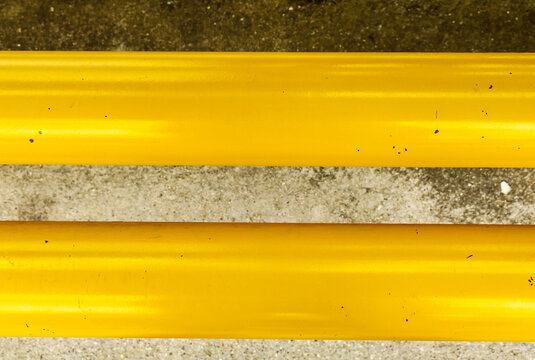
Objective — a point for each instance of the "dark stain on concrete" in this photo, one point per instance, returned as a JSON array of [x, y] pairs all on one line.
[[473, 195], [321, 174], [35, 207]]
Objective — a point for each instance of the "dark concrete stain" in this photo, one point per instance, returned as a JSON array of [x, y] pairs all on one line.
[[475, 194], [35, 207], [322, 174]]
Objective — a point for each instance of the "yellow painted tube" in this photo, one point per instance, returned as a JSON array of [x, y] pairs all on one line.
[[359, 109], [319, 281]]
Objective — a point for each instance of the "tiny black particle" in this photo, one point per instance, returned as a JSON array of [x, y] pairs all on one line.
[[27, 325], [399, 152], [48, 108], [469, 256], [40, 132], [341, 307], [393, 147], [46, 241], [482, 137], [436, 131], [490, 87], [105, 116], [510, 73], [31, 140], [406, 319], [405, 149]]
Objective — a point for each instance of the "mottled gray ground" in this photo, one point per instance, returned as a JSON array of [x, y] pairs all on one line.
[[266, 194], [45, 349]]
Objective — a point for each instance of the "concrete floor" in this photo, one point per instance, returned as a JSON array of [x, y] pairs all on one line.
[[266, 194]]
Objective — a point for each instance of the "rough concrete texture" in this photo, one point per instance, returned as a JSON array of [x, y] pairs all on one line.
[[14, 348], [266, 194], [267, 25]]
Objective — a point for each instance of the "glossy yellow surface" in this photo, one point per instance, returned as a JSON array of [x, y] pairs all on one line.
[[267, 281], [354, 109]]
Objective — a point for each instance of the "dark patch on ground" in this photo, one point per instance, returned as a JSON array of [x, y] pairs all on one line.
[[473, 195], [292, 25], [35, 207], [322, 174]]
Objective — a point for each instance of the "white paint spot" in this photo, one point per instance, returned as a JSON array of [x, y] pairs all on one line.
[[470, 184], [504, 186]]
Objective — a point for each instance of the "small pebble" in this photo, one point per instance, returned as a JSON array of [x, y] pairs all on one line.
[[505, 188]]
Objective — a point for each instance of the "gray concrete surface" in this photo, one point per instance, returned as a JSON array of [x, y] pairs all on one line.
[[265, 194], [46, 349]]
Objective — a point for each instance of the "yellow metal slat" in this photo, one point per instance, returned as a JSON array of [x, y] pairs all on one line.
[[465, 110], [440, 282]]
